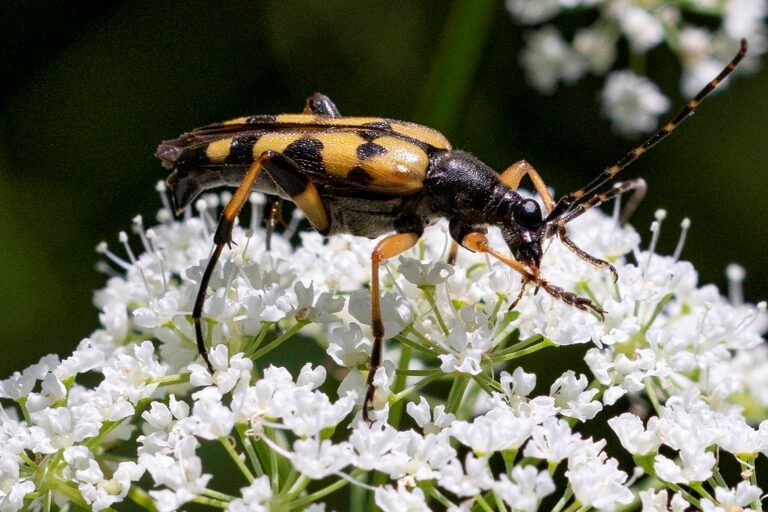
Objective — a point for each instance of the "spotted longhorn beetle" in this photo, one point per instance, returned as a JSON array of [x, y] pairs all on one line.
[[370, 176]]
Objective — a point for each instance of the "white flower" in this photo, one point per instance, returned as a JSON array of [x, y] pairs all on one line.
[[469, 480], [696, 466], [318, 459], [101, 492], [320, 309], [348, 347], [160, 310], [466, 350], [744, 18], [531, 12], [372, 443], [525, 490], [181, 473], [643, 29], [12, 487], [573, 398], [552, 441], [739, 498], [255, 497], [597, 47], [548, 60], [636, 439], [415, 457], [401, 499], [499, 429], [424, 273], [62, 427], [599, 484], [632, 102], [424, 418], [213, 419]]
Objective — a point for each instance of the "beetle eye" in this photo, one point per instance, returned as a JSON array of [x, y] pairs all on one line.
[[528, 214]]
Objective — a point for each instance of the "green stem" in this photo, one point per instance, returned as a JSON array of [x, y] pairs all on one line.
[[280, 340], [437, 495], [483, 504], [202, 500], [567, 495], [239, 462], [141, 498], [253, 457], [651, 392], [325, 491], [544, 343], [407, 391], [427, 349], [429, 293], [396, 412], [456, 393], [171, 380]]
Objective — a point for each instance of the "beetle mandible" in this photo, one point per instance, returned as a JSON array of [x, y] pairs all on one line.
[[371, 176]]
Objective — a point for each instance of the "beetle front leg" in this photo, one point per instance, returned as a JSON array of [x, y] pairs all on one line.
[[386, 249], [514, 173], [477, 242]]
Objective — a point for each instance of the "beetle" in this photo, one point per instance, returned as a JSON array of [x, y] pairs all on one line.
[[371, 176]]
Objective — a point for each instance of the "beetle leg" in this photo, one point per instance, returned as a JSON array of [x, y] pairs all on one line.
[[272, 215], [638, 187], [223, 236], [385, 249], [321, 105], [514, 173], [453, 252], [287, 175], [477, 242]]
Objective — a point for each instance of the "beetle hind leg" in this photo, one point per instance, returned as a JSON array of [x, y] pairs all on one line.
[[288, 176], [321, 105]]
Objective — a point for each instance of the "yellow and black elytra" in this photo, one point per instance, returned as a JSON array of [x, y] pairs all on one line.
[[370, 176]]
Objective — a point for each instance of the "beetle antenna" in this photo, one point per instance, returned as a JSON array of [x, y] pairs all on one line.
[[568, 201]]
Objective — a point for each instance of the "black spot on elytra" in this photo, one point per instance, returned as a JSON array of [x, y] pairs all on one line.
[[241, 150], [369, 150], [359, 175], [306, 152], [374, 130], [194, 156]]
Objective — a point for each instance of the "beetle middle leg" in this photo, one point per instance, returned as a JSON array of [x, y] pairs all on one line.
[[386, 249], [273, 215]]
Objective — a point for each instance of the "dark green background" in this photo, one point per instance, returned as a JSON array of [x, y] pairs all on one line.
[[88, 89]]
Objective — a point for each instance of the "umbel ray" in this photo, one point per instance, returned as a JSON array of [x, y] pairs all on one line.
[[371, 176]]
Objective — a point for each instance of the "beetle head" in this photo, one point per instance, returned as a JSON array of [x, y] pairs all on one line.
[[524, 232]]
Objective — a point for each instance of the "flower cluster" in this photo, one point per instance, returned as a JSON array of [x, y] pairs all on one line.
[[131, 414], [631, 100]]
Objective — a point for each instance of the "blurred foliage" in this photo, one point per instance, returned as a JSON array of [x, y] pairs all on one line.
[[90, 88]]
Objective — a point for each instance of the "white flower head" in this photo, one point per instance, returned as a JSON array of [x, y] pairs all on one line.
[[632, 102], [525, 490], [548, 60]]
